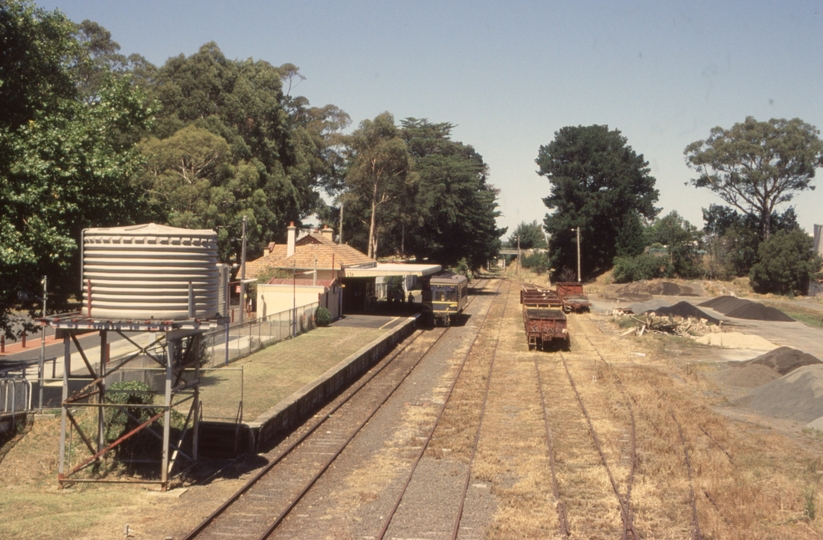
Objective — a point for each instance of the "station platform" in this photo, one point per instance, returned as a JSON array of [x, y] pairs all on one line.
[[285, 383]]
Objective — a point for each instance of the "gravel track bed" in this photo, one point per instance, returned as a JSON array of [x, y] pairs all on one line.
[[354, 497]]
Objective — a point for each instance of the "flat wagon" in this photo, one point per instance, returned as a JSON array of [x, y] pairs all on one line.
[[573, 297]]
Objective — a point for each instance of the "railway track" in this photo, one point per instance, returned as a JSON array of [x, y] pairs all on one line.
[[402, 495], [264, 502], [662, 401]]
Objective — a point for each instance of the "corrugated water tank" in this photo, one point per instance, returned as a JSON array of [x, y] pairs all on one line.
[[150, 271]]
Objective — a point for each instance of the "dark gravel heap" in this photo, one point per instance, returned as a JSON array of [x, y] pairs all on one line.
[[746, 309], [784, 360], [685, 310], [724, 304]]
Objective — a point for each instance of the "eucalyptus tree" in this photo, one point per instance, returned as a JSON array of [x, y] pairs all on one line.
[[281, 150], [755, 166], [528, 235], [380, 172]]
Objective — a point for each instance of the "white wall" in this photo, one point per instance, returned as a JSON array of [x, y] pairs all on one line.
[[276, 298]]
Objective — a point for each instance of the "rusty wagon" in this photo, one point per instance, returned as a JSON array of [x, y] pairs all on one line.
[[573, 297], [543, 317]]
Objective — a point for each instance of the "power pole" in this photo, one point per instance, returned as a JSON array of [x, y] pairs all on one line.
[[578, 253], [519, 262], [42, 363]]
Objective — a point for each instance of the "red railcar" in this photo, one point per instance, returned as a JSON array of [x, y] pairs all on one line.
[[574, 299], [543, 317]]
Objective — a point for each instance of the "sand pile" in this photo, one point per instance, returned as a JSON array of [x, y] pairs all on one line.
[[798, 395], [745, 309], [685, 310], [641, 291], [737, 340], [765, 368], [784, 360], [666, 288], [749, 376]]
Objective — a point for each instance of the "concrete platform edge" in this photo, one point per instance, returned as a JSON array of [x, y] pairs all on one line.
[[314, 395]]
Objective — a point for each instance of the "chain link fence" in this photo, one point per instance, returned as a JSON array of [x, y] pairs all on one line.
[[251, 336]]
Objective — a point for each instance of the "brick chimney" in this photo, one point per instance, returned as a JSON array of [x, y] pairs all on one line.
[[327, 232], [292, 236]]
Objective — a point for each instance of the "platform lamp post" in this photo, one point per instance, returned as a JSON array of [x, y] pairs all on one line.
[[243, 274], [294, 298], [578, 255]]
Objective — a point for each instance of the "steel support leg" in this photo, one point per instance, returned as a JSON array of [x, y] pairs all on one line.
[[64, 405], [164, 471], [101, 412]]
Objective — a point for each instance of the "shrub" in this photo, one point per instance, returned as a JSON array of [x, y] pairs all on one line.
[[538, 261], [464, 269], [322, 316], [628, 269], [118, 421], [786, 263]]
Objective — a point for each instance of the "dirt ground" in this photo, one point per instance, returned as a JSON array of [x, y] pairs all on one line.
[[754, 476]]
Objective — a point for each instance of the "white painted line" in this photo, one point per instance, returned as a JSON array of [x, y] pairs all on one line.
[[388, 323]]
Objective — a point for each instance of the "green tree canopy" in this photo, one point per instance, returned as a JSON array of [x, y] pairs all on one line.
[[755, 166], [65, 163], [597, 180], [454, 210], [682, 241], [733, 239], [276, 149], [530, 236]]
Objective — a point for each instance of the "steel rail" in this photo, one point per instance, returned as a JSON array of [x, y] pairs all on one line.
[[194, 533], [633, 467], [299, 440], [628, 525], [561, 505], [464, 493], [404, 489]]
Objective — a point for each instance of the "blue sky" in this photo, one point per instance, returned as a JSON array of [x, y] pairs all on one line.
[[510, 74]]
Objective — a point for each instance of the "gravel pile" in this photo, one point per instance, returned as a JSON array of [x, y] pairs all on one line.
[[739, 308], [765, 368], [784, 360], [798, 395], [750, 376], [685, 310]]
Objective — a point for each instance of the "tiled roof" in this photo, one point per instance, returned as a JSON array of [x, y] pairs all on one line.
[[268, 260], [305, 251], [342, 255]]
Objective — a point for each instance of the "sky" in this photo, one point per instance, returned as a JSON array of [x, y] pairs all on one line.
[[510, 74]]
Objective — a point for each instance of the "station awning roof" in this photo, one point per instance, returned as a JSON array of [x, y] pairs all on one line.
[[392, 269]]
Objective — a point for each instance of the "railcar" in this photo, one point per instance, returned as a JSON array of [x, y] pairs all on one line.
[[543, 317], [445, 296]]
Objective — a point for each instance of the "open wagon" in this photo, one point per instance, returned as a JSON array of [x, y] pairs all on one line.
[[543, 317]]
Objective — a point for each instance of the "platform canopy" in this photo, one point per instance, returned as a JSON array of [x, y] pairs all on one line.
[[391, 269]]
